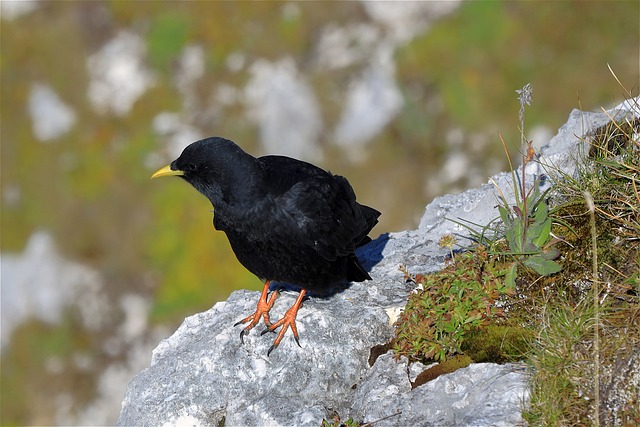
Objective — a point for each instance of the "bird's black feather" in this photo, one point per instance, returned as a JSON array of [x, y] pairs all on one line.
[[286, 220]]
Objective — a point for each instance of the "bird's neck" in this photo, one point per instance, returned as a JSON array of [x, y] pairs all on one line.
[[242, 185]]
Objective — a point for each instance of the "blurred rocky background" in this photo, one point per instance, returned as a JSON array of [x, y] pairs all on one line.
[[405, 98]]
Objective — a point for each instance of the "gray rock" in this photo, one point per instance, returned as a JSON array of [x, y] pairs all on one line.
[[483, 394], [203, 375], [205, 372]]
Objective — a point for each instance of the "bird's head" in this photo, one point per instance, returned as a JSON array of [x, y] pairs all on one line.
[[216, 167]]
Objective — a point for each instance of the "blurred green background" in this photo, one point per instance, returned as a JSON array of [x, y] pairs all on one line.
[[429, 85]]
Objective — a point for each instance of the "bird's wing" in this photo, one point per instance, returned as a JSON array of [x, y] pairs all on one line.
[[321, 215], [315, 207]]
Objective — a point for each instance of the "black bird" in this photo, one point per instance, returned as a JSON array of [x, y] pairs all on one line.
[[286, 220]]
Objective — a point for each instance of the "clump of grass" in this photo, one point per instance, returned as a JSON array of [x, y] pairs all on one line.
[[559, 355], [586, 356], [577, 324]]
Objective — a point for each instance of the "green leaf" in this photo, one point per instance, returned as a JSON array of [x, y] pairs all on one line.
[[504, 215], [541, 265], [541, 229], [510, 278], [515, 234], [535, 197]]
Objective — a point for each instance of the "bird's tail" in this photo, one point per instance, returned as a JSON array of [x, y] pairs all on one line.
[[355, 270], [369, 220]]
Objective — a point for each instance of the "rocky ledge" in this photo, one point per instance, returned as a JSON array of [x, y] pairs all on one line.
[[203, 375]]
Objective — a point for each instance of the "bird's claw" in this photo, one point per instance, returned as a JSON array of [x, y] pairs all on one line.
[[273, 347], [262, 310], [242, 334], [277, 342]]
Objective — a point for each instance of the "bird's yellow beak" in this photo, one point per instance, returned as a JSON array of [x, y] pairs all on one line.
[[167, 171]]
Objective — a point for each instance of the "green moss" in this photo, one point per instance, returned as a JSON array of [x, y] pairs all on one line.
[[498, 343]]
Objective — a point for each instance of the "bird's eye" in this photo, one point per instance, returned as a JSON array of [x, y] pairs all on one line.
[[192, 167]]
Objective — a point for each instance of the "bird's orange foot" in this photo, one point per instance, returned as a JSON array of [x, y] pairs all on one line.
[[287, 321], [262, 310]]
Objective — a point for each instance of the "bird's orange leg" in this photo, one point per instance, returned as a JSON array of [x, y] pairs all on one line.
[[288, 320], [262, 309]]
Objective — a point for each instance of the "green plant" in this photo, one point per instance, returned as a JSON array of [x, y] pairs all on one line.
[[528, 231], [336, 422], [527, 225], [452, 303]]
